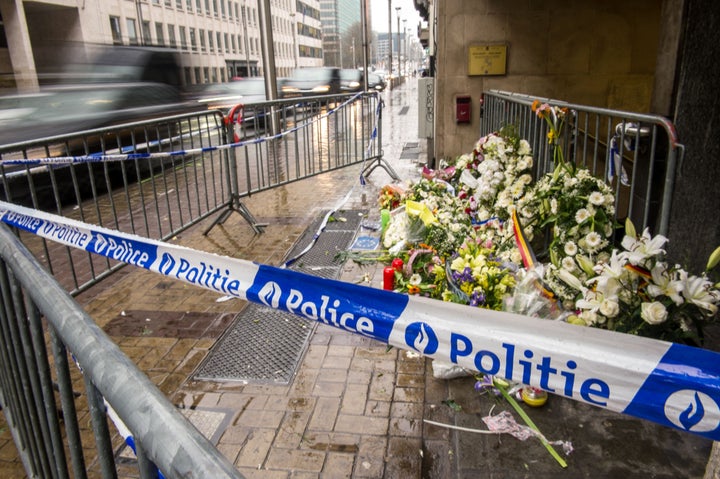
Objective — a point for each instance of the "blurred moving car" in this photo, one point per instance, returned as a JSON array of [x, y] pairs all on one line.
[[68, 109], [249, 92], [351, 81], [376, 82], [312, 81], [245, 91]]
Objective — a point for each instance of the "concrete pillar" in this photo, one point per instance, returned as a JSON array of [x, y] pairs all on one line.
[[694, 229], [19, 46]]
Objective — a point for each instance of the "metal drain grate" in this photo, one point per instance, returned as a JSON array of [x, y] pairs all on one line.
[[263, 345], [266, 345]]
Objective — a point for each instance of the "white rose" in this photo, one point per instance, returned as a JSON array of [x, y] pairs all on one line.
[[653, 313], [609, 308]]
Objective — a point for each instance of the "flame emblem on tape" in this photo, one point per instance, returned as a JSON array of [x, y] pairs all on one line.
[[270, 294], [692, 411], [421, 337]]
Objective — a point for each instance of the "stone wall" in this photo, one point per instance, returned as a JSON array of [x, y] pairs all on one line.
[[595, 52]]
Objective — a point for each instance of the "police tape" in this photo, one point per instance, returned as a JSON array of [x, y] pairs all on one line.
[[670, 384]]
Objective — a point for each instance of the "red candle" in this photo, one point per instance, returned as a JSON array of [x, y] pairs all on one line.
[[397, 263], [389, 278]]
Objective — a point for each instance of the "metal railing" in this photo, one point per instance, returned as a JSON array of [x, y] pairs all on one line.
[[42, 406], [157, 178], [637, 154]]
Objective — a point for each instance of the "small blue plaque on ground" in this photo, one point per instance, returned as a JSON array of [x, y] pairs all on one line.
[[366, 243]]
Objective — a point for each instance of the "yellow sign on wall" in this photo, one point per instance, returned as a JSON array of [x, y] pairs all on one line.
[[487, 60]]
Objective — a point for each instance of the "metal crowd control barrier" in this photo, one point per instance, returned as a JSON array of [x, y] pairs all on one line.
[[637, 154], [44, 424], [159, 177]]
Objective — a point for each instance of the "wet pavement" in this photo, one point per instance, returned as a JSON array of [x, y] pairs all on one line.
[[354, 407]]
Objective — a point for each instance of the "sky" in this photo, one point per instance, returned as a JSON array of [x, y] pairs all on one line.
[[379, 12]]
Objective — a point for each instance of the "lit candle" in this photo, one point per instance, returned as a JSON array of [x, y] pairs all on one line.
[[389, 278]]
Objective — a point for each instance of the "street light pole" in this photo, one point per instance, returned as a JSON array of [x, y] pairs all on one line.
[[405, 42], [389, 68], [245, 30], [294, 32], [397, 9]]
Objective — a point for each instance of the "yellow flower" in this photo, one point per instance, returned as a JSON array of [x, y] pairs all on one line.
[[412, 289]]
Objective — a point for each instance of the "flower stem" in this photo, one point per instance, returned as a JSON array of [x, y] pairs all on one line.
[[532, 425]]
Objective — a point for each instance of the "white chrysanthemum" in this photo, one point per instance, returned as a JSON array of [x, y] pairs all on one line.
[[593, 240], [596, 198], [415, 279], [568, 263], [524, 148], [570, 248], [582, 215]]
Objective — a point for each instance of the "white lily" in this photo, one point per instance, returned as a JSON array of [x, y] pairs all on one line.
[[697, 290], [665, 284], [639, 249]]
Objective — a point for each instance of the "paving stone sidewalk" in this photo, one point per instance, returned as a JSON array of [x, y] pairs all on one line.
[[355, 407]]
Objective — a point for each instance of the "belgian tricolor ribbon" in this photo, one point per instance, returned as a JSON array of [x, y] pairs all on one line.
[[527, 254]]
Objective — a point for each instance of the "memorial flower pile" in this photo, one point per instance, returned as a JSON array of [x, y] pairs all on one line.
[[454, 232], [635, 291]]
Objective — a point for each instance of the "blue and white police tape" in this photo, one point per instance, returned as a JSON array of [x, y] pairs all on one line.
[[98, 157], [671, 384]]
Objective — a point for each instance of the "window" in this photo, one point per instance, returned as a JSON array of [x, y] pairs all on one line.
[[232, 40], [219, 41], [202, 40], [179, 4], [147, 39], [132, 31], [183, 38], [159, 33], [227, 46], [193, 40], [115, 29], [211, 42], [171, 35]]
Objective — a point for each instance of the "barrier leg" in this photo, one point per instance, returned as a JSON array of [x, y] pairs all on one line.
[[379, 162], [235, 205]]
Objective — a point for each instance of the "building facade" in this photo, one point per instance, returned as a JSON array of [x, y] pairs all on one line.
[[337, 17], [216, 39]]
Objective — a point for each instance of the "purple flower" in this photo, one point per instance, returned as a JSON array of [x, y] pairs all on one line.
[[477, 298]]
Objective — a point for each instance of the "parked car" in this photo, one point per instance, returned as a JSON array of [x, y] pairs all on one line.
[[312, 81], [376, 82], [351, 81]]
